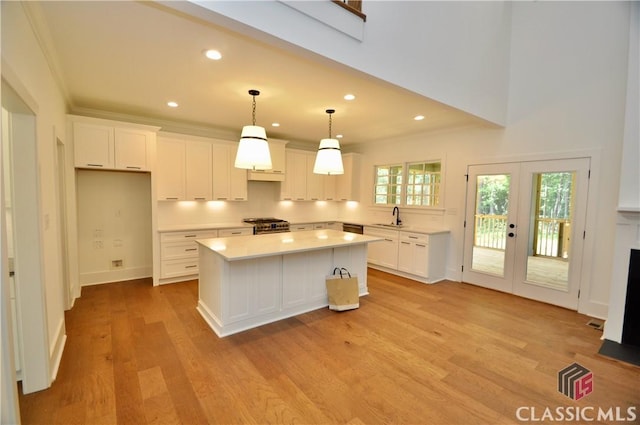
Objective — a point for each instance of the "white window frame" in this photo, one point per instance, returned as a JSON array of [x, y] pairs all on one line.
[[404, 185]]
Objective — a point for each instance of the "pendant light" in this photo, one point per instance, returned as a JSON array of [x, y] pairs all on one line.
[[329, 158], [253, 150]]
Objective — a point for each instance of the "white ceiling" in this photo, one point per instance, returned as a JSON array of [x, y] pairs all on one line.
[[133, 57]]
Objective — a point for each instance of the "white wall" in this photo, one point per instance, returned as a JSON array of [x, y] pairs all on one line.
[[566, 97], [114, 223], [25, 69], [453, 52], [263, 201]]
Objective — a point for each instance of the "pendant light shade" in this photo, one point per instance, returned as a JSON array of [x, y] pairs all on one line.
[[253, 150], [329, 157]]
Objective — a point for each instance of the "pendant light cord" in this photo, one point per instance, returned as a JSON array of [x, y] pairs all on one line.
[[254, 110]]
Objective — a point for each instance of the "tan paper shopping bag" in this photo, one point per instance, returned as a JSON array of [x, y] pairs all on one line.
[[342, 289]]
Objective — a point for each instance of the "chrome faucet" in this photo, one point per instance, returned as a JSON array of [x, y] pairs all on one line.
[[396, 214]]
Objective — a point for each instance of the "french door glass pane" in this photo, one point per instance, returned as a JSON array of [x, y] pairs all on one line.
[[490, 224], [551, 216]]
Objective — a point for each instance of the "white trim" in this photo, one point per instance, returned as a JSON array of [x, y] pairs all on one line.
[[110, 276]]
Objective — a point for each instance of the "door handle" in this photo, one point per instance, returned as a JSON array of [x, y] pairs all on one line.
[[511, 234], [512, 226]]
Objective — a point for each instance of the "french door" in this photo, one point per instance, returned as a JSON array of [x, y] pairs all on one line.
[[524, 228]]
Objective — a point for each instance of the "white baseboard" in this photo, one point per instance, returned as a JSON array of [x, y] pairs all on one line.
[[55, 352], [108, 276]]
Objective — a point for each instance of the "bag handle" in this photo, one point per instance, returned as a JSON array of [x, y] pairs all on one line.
[[342, 272]]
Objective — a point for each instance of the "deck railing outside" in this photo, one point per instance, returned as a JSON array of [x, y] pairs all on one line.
[[551, 237]]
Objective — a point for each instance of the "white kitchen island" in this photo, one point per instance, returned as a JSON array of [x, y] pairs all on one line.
[[248, 281]]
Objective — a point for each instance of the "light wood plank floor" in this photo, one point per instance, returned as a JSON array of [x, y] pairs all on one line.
[[447, 353]]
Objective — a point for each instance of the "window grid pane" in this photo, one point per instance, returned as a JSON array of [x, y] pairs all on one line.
[[388, 184], [423, 184]]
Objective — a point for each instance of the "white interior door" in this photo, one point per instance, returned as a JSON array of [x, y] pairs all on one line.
[[524, 227]]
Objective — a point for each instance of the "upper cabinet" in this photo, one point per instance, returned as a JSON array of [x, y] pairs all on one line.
[[229, 182], [198, 169], [278, 163], [302, 184], [170, 169], [112, 145], [347, 185]]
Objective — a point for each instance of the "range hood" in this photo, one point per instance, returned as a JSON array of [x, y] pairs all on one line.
[[265, 175]]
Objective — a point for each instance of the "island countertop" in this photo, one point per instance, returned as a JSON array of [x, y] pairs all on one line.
[[255, 246]]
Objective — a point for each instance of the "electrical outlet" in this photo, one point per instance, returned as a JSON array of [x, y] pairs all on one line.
[[116, 264]]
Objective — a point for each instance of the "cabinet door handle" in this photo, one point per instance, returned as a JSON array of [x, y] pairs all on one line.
[[221, 199], [191, 249], [420, 245], [192, 266], [95, 165], [133, 168], [388, 240], [190, 236], [239, 199], [236, 233], [199, 199], [405, 243], [413, 237]]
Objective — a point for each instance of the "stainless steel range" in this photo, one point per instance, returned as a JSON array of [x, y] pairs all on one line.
[[264, 225]]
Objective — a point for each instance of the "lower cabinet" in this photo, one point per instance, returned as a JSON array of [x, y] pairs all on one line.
[[385, 252], [419, 256], [179, 250]]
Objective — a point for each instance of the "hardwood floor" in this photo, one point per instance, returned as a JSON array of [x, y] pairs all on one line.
[[447, 353]]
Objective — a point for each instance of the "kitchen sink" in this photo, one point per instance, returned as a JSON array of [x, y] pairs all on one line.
[[388, 225]]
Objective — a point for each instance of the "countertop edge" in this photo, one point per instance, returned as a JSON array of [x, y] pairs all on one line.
[[301, 247]]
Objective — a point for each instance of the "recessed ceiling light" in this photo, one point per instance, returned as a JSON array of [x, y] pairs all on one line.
[[418, 117], [213, 54], [349, 97], [172, 104], [275, 124], [338, 136]]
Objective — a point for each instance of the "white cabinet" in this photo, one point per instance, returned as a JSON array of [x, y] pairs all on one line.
[[170, 169], [315, 182], [110, 145], [278, 163], [198, 168], [347, 184], [294, 187], [334, 225], [241, 231], [132, 149], [302, 184], [93, 145], [179, 252], [385, 252], [183, 170], [413, 254], [419, 256], [229, 183]]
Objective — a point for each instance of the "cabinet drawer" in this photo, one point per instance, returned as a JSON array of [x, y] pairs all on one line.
[[179, 250], [381, 233], [176, 268], [420, 238], [224, 233], [185, 236]]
